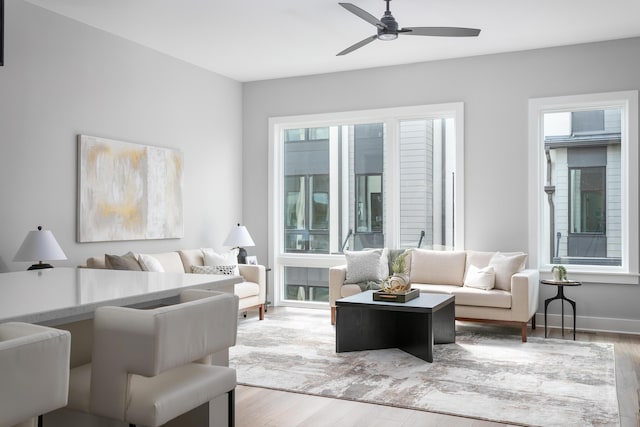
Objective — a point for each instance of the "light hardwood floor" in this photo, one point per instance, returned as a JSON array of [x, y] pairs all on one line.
[[270, 408]]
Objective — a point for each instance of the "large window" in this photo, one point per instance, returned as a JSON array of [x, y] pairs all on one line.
[[584, 190], [383, 178]]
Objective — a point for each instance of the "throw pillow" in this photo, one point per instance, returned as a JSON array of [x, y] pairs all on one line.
[[506, 266], [214, 259], [480, 278], [365, 266], [127, 261], [150, 263], [226, 270]]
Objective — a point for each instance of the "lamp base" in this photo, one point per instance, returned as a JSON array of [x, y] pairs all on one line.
[[39, 266], [242, 256]]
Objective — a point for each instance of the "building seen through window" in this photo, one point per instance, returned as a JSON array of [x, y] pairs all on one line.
[[583, 186], [339, 189]]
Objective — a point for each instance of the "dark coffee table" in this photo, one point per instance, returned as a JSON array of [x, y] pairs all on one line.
[[414, 326]]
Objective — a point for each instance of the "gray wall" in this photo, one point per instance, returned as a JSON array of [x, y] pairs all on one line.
[[495, 90], [62, 78]]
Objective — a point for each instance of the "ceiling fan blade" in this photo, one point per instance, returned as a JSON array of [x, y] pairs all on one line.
[[440, 31], [358, 45], [363, 14]]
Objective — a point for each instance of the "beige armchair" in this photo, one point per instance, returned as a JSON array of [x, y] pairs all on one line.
[[34, 371], [147, 366]]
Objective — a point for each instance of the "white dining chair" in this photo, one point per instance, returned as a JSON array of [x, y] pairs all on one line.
[[147, 365], [34, 372]]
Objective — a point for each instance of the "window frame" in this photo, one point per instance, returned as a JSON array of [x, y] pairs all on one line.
[[391, 117], [538, 215]]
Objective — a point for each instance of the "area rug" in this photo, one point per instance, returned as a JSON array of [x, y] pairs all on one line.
[[544, 382]]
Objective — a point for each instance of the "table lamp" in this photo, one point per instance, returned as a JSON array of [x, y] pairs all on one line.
[[238, 237], [39, 245]]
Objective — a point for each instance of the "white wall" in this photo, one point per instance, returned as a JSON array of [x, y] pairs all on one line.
[[495, 90], [62, 78]]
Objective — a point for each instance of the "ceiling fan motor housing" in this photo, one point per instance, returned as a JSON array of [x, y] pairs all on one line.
[[391, 30]]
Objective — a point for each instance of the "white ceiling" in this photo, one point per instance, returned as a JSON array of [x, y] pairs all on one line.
[[249, 40]]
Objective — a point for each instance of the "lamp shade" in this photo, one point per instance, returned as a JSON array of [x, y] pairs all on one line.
[[39, 245], [239, 236]]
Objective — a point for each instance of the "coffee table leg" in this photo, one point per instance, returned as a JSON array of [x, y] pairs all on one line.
[[430, 337], [444, 325]]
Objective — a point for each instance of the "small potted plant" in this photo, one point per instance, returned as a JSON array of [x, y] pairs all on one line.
[[398, 281], [559, 273]]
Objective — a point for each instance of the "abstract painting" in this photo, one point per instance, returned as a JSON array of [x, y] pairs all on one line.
[[128, 191]]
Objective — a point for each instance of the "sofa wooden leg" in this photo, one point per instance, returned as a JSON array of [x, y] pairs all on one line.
[[333, 315], [261, 312], [524, 331]]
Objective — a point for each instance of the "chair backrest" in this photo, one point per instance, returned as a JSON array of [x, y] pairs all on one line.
[[34, 371], [129, 342]]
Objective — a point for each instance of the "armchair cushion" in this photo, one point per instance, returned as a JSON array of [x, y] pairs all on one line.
[[154, 401]]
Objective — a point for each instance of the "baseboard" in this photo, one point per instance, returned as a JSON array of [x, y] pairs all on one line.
[[594, 324]]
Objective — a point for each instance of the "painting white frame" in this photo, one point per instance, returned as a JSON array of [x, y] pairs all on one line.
[[128, 191]]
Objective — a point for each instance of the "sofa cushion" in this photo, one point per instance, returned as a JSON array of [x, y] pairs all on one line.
[[481, 298], [505, 266], [478, 258], [480, 278], [437, 267], [96, 262], [127, 261], [363, 266], [191, 257], [150, 263], [170, 261], [435, 289], [226, 259]]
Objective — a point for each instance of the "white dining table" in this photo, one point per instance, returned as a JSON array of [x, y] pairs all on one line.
[[61, 295]]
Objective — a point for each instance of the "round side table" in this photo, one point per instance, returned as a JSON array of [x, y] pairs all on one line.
[[560, 284]]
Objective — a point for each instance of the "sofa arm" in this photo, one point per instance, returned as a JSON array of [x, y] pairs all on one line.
[[256, 274], [524, 294], [337, 276]]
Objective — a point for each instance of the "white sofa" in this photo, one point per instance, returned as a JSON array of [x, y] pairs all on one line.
[[252, 292], [514, 299]]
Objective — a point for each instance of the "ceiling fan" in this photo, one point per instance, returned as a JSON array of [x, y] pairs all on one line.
[[388, 28]]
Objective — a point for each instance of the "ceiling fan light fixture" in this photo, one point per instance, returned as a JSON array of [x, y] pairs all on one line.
[[387, 36]]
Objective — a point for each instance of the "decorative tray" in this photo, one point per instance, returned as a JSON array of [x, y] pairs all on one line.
[[401, 297]]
